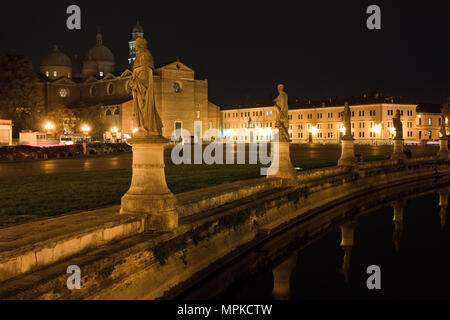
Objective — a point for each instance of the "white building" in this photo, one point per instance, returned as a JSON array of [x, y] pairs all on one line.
[[5, 132]]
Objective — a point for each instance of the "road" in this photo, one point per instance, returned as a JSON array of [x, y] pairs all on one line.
[[124, 161], [28, 168]]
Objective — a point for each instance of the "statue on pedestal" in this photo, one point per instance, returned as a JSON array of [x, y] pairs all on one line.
[[398, 126], [282, 122], [442, 129], [146, 116], [444, 114], [347, 121]]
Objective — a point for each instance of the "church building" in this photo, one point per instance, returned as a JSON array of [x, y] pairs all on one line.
[[181, 99]]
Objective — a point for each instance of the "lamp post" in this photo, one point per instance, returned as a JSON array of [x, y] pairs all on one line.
[[114, 132], [86, 129], [49, 126]]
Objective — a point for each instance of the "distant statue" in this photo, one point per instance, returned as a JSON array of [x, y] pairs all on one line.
[[443, 128], [398, 126], [141, 85], [282, 121], [444, 114], [347, 120]]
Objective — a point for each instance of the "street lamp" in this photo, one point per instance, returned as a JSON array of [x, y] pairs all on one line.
[[49, 127], [114, 132], [86, 129]]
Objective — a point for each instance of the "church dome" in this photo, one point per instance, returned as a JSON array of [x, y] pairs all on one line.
[[99, 52], [90, 64], [56, 59]]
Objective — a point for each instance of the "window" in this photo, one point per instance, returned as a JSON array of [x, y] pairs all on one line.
[[117, 112], [101, 73], [110, 89], [47, 73], [178, 128], [429, 121], [93, 91], [108, 113], [63, 92], [177, 87]]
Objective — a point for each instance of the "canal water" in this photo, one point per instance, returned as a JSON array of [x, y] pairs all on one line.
[[413, 254]]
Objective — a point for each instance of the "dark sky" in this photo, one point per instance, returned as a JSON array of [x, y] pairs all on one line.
[[318, 49]]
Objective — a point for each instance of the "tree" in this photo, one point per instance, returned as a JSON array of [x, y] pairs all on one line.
[[19, 91], [63, 118], [92, 116]]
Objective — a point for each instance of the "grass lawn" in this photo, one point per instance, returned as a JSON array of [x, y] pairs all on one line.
[[29, 197]]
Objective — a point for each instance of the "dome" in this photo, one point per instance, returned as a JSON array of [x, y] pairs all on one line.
[[90, 64], [99, 52], [56, 59]]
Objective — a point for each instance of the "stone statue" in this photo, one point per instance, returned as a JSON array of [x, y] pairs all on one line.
[[347, 116], [282, 121], [141, 85], [443, 128], [398, 126], [444, 114]]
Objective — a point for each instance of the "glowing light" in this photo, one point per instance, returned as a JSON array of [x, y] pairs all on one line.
[[343, 130], [393, 131], [135, 130], [313, 130], [49, 126], [377, 128], [86, 129], [114, 130], [419, 116]]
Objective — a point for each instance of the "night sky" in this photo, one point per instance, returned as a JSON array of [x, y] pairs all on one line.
[[318, 49]]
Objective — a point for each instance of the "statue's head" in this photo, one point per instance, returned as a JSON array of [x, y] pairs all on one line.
[[281, 88], [141, 44], [397, 113], [346, 104]]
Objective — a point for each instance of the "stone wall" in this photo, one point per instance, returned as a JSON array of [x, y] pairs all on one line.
[[215, 226]]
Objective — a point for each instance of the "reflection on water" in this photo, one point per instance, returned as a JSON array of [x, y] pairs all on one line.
[[403, 232]]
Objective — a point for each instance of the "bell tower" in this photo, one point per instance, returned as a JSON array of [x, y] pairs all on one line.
[[137, 32]]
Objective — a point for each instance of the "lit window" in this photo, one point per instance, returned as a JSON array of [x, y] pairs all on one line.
[[64, 92], [101, 73], [177, 87], [47, 73], [429, 121], [55, 74]]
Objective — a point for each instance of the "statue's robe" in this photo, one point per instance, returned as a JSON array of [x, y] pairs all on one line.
[[145, 111], [282, 102]]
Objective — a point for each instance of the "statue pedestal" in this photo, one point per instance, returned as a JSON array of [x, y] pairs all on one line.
[[282, 278], [348, 158], [443, 150], [398, 153], [149, 195], [281, 166]]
